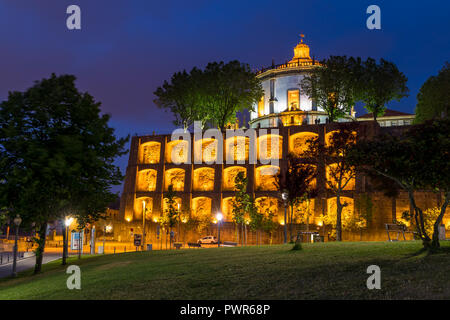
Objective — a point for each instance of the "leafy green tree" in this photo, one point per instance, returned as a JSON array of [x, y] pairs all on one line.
[[379, 84], [340, 171], [184, 96], [256, 217], [433, 99], [56, 151], [171, 214], [239, 203], [333, 86], [296, 178], [268, 224], [229, 88], [416, 160]]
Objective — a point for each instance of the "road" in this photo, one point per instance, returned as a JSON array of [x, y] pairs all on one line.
[[27, 263]]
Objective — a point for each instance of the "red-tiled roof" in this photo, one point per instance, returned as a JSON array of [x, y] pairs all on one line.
[[387, 113]]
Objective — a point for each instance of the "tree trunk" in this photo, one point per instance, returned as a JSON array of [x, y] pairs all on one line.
[[418, 216], [394, 209], [435, 241], [40, 249], [338, 218], [290, 222], [65, 245]]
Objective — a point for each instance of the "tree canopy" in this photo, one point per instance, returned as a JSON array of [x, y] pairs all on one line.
[[433, 99], [333, 85], [57, 155], [379, 84], [212, 95], [416, 160]]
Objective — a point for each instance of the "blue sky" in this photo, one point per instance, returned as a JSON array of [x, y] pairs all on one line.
[[126, 49]]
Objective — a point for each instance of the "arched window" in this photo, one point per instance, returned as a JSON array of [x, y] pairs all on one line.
[[203, 179], [147, 180], [150, 152], [174, 177], [265, 178]]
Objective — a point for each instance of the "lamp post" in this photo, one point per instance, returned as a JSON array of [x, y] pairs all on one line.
[[219, 218], [178, 232], [17, 222], [67, 222], [143, 225], [285, 196]]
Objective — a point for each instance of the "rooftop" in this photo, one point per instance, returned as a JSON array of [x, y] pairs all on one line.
[[387, 113]]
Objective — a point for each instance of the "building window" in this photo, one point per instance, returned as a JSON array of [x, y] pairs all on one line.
[[293, 99], [261, 107]]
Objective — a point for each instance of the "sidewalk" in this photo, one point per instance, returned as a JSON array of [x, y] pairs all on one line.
[[26, 263]]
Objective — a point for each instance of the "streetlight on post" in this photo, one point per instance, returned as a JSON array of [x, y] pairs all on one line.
[[284, 196], [219, 218], [178, 232], [143, 225], [17, 222], [67, 223]]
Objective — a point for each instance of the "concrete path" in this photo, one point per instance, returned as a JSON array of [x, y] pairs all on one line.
[[27, 263]]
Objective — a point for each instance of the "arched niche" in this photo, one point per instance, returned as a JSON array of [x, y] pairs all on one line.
[[229, 176], [298, 142], [177, 151], [227, 208], [147, 180], [270, 146], [150, 152], [333, 172], [143, 204], [265, 178], [201, 207], [206, 150], [174, 177], [329, 135], [266, 205], [203, 179], [237, 148]]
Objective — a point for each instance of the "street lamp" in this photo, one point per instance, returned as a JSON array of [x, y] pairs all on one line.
[[284, 196], [17, 222], [219, 218], [143, 225]]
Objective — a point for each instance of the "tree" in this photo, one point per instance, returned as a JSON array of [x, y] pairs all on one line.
[[256, 217], [171, 214], [340, 172], [433, 99], [296, 178], [380, 84], [240, 200], [333, 85], [416, 160], [56, 151], [184, 97], [229, 88], [268, 223]]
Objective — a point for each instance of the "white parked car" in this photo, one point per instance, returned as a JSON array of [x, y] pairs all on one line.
[[207, 239]]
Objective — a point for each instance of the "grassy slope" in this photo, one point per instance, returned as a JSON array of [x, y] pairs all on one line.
[[319, 271]]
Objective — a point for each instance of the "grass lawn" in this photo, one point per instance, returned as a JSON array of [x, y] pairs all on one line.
[[319, 271]]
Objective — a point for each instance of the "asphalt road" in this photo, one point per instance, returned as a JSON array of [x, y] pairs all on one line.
[[27, 263]]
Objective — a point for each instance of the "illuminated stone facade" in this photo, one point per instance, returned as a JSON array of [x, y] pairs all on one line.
[[204, 188]]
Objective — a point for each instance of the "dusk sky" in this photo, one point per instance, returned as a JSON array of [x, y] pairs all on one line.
[[126, 49]]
